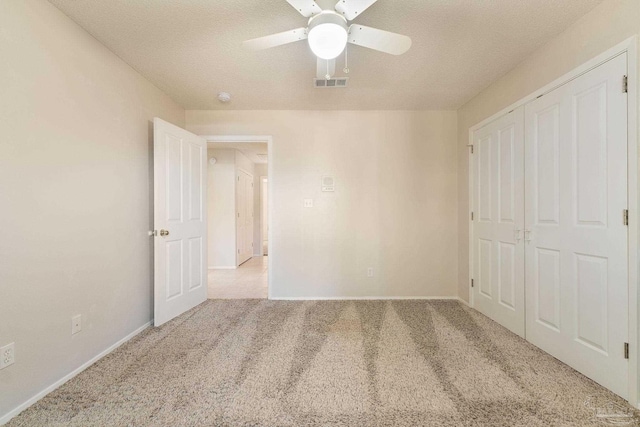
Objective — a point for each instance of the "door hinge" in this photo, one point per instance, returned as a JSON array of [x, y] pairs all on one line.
[[238, 251], [626, 350], [472, 283], [625, 84], [625, 216], [471, 216]]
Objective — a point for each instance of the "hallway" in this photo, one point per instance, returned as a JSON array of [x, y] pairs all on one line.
[[250, 280]]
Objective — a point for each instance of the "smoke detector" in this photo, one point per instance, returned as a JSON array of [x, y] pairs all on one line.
[[224, 97]]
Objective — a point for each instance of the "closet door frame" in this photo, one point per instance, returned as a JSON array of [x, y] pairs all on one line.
[[630, 47]]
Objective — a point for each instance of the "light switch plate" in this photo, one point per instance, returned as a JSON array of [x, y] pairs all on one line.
[[308, 203]]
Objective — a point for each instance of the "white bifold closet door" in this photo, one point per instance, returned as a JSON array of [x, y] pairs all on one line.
[[498, 200], [575, 238], [244, 216]]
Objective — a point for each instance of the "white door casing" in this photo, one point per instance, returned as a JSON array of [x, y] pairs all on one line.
[[576, 241], [180, 269], [264, 215], [498, 221]]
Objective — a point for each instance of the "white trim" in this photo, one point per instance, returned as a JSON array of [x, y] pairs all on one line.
[[222, 267], [263, 178], [211, 140], [464, 302], [632, 188], [470, 173], [628, 46], [15, 411], [620, 48], [360, 298]]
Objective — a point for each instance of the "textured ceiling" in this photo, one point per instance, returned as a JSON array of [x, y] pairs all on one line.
[[191, 49], [255, 151]]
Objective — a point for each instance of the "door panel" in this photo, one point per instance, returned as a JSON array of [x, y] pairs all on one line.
[[244, 204], [576, 249], [498, 207], [507, 274], [179, 209]]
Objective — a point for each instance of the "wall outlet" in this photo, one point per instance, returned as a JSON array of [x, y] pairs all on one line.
[[7, 355], [76, 324], [370, 272], [308, 203]]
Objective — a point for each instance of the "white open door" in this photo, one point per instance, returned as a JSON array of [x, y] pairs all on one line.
[[498, 222], [180, 220], [576, 238], [244, 216]]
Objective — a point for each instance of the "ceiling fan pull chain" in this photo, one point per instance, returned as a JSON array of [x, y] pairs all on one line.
[[346, 59]]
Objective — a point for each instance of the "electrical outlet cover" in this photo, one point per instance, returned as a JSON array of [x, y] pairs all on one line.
[[7, 355]]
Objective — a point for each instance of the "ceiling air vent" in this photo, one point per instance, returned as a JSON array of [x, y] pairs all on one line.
[[331, 83]]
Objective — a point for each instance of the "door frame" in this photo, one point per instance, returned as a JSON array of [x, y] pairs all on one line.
[[262, 223], [630, 47], [211, 141]]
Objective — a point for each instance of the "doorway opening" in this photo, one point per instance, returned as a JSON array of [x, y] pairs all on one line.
[[238, 217]]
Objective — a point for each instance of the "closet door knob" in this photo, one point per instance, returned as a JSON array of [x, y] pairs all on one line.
[[164, 232], [517, 233], [527, 235]]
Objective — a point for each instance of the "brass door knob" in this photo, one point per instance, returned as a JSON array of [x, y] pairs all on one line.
[[164, 232]]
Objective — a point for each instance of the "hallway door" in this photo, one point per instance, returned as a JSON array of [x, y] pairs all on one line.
[[244, 216]]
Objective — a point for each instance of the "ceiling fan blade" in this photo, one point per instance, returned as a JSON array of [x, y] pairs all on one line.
[[322, 68], [351, 9], [276, 39], [384, 41], [306, 8]]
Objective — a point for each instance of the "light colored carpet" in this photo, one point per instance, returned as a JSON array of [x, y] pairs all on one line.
[[338, 363]]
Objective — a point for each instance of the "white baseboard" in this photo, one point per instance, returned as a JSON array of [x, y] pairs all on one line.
[[6, 417], [223, 267], [464, 302], [358, 298]]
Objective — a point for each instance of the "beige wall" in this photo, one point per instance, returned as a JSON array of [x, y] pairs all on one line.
[[605, 26], [221, 196], [394, 208], [75, 152]]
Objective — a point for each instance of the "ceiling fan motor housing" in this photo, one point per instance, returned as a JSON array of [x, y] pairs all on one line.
[[327, 34]]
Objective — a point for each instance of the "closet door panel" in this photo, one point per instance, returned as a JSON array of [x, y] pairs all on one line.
[[576, 242], [498, 206]]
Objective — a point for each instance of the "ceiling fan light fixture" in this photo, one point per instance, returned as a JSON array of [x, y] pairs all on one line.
[[327, 35], [327, 41]]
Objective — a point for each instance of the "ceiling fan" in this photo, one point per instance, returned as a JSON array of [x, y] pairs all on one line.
[[328, 33]]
